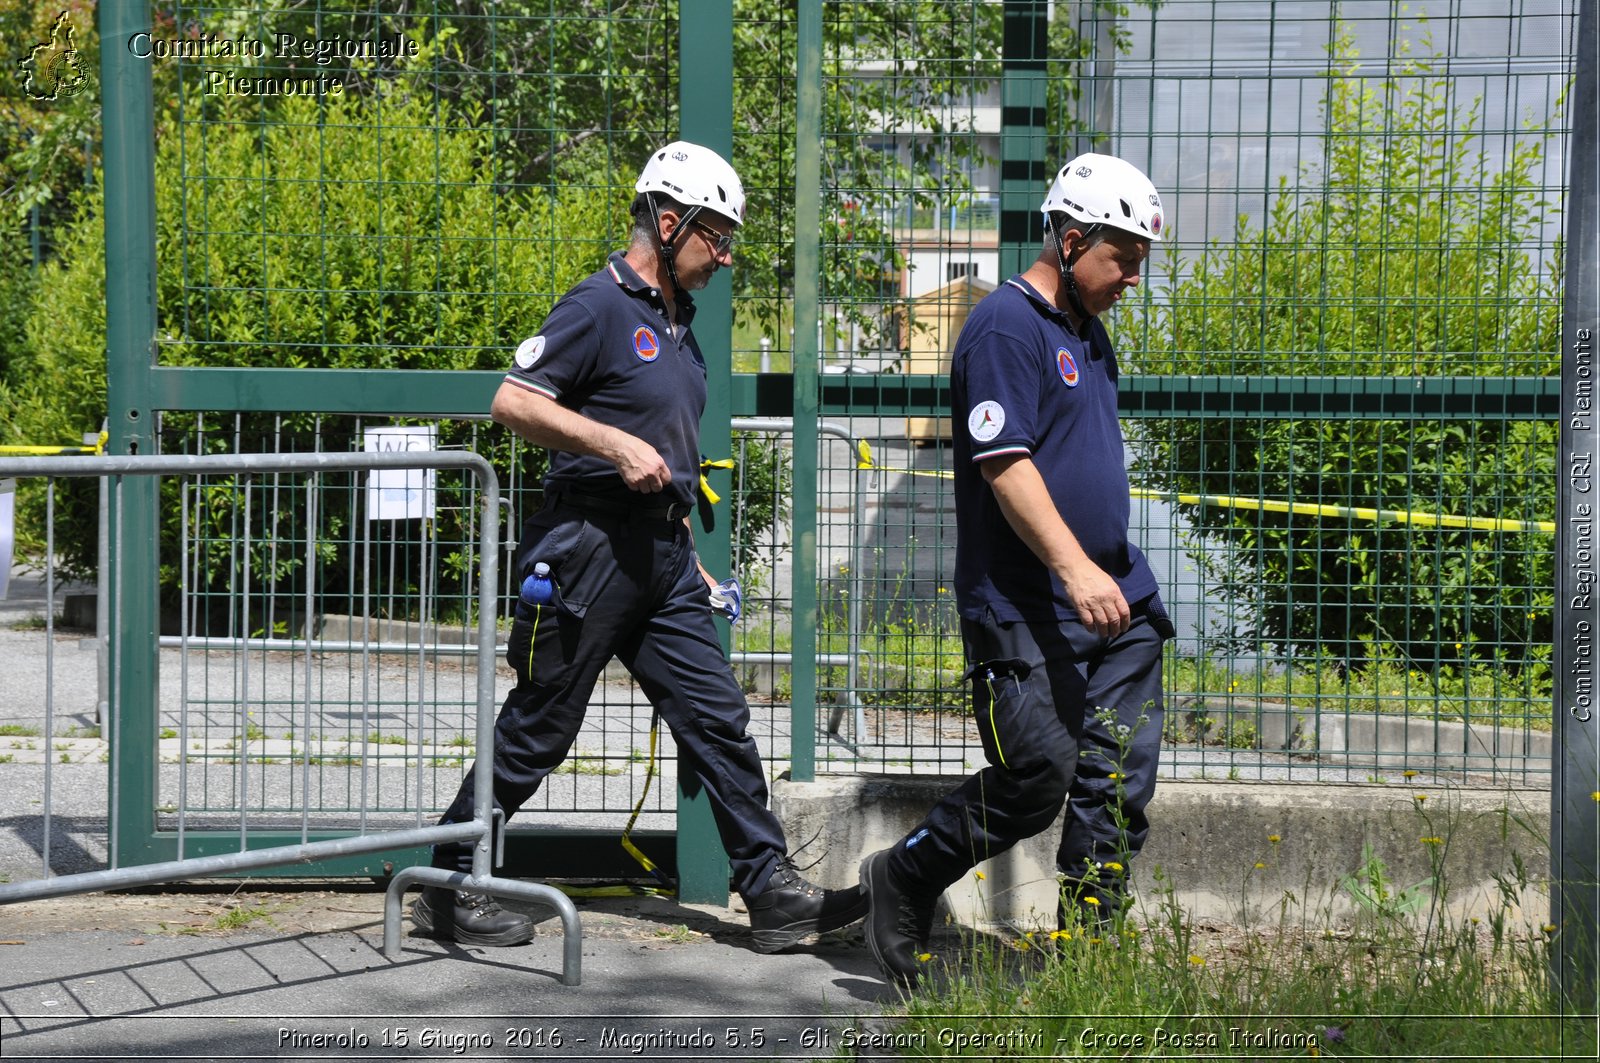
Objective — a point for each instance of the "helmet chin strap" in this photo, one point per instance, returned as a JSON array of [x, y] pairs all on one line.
[[1074, 300], [669, 246]]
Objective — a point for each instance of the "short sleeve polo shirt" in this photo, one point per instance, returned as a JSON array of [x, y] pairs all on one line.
[[1022, 382], [608, 352]]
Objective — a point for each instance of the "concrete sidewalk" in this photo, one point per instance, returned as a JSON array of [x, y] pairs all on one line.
[[274, 973]]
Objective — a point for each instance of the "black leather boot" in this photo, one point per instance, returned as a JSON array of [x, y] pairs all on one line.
[[468, 918], [898, 922], [790, 908]]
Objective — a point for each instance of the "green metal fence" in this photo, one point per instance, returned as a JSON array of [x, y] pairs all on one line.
[[1337, 373], [1341, 430]]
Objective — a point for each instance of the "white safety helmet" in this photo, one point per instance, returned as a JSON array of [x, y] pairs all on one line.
[[1105, 190], [696, 177]]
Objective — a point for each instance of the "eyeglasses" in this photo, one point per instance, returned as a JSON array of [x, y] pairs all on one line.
[[721, 243]]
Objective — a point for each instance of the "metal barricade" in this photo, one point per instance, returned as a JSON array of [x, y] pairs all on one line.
[[367, 837]]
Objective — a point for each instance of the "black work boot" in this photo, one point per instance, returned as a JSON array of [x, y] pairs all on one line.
[[898, 923], [468, 918], [790, 908]]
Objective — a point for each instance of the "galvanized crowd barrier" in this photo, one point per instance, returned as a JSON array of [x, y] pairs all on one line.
[[482, 831]]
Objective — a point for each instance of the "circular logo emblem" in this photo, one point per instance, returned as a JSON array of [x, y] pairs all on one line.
[[645, 344], [1067, 366], [1155, 224], [986, 420], [528, 351]]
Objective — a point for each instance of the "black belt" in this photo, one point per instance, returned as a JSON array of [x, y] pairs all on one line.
[[593, 505]]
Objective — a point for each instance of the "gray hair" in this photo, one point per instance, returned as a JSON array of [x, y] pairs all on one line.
[[1060, 222], [644, 232]]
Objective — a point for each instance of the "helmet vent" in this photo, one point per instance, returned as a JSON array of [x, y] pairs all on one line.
[[1127, 211], [722, 193]]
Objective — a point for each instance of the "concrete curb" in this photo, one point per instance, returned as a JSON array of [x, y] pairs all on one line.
[[1207, 841]]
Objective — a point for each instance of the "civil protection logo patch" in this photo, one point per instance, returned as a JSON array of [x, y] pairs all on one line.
[[986, 420], [1067, 366], [645, 344], [528, 351]]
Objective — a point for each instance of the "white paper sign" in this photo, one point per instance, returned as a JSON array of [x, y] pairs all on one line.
[[8, 516], [400, 494]]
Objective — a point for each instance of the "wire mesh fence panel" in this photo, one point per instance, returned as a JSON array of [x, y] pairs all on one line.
[[377, 190], [385, 702], [249, 737], [1346, 501]]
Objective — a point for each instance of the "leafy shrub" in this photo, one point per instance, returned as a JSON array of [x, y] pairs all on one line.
[[1408, 255]]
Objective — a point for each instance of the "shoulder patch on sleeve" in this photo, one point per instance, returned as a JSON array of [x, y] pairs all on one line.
[[529, 351], [986, 420]]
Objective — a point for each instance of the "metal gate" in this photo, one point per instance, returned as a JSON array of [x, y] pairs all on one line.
[[291, 784]]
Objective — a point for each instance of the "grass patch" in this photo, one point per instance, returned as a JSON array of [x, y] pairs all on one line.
[[1383, 681], [586, 766], [1370, 967], [18, 730], [378, 738], [237, 917]]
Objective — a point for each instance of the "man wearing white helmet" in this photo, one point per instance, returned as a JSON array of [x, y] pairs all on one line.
[[1060, 619], [614, 384]]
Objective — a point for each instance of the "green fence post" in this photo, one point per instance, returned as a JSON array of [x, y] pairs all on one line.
[[128, 147], [1575, 761], [705, 100], [1024, 172], [803, 511]]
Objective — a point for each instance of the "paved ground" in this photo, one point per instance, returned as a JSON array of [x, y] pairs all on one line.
[[303, 974], [264, 970]]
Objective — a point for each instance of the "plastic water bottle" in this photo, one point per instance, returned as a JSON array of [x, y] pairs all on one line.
[[537, 590]]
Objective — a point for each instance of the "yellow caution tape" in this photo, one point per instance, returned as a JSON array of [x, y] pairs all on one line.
[[1312, 509], [1301, 509], [53, 452], [864, 461]]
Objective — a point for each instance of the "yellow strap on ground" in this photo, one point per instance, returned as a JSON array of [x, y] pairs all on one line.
[[705, 484], [1271, 505], [627, 832]]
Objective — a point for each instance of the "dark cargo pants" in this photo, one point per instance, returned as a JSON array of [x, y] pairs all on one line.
[[1064, 716], [628, 588]]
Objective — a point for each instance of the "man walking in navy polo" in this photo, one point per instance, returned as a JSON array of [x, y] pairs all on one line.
[[614, 384], [1060, 619]]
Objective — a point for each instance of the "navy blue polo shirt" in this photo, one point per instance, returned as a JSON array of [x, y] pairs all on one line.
[[607, 352], [1022, 382]]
